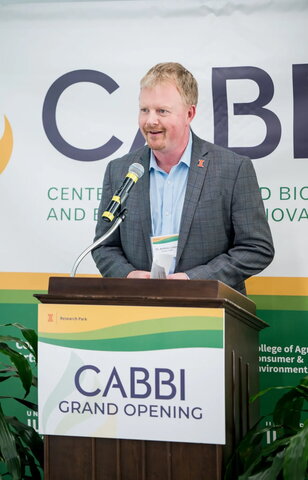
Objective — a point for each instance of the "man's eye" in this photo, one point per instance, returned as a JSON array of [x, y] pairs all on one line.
[[162, 111], [144, 110]]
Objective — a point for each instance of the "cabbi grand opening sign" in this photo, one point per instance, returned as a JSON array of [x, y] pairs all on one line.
[[145, 373]]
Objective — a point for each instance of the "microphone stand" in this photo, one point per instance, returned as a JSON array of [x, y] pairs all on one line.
[[120, 218]]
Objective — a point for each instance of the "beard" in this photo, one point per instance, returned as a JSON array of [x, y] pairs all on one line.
[[156, 139]]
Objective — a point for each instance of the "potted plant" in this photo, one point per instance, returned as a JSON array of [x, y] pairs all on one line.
[[286, 458], [21, 447]]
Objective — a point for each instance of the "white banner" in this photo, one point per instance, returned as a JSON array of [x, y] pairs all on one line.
[[69, 85], [139, 373]]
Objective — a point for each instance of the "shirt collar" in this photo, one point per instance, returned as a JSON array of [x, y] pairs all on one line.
[[185, 158]]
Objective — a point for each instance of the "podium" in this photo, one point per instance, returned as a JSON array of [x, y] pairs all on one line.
[[84, 458]]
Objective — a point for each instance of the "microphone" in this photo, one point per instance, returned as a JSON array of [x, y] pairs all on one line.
[[135, 172]]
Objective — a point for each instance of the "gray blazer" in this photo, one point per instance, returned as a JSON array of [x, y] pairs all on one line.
[[224, 234]]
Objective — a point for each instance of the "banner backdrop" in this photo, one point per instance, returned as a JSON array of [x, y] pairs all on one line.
[[69, 84]]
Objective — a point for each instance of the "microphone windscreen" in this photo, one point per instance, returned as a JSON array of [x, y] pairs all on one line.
[[137, 169]]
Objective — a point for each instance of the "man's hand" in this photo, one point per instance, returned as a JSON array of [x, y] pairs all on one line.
[[139, 274], [178, 276]]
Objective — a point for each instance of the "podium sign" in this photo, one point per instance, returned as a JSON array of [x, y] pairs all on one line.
[[132, 372]]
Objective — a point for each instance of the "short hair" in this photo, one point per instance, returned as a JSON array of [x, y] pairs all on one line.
[[175, 73]]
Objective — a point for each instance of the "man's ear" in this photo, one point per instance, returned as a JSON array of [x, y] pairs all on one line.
[[191, 113]]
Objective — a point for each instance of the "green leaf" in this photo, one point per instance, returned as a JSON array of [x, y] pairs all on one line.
[[8, 448], [287, 456], [269, 389], [9, 372], [8, 368], [22, 365], [270, 473], [35, 472], [296, 458], [263, 460], [2, 379], [30, 437], [24, 402], [276, 446], [14, 375], [29, 334], [304, 382], [288, 411], [250, 450], [34, 380], [9, 338], [21, 449]]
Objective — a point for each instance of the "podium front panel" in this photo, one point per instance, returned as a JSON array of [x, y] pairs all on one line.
[[133, 372]]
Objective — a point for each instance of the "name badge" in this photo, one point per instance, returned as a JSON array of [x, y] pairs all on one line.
[[164, 250]]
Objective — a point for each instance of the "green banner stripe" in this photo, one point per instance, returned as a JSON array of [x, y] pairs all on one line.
[[159, 341], [145, 327], [166, 240], [19, 296], [20, 313], [280, 302]]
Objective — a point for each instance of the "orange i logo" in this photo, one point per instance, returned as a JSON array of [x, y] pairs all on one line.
[[6, 145]]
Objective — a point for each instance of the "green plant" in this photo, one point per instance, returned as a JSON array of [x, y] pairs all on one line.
[[286, 458], [21, 447]]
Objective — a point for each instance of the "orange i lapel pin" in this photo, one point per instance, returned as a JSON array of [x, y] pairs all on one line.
[[200, 163]]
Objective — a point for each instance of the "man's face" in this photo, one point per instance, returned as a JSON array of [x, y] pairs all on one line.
[[164, 118]]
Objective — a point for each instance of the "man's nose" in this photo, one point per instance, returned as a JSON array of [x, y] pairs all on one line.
[[152, 118]]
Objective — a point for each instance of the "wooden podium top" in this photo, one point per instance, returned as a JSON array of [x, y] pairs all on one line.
[[122, 291]]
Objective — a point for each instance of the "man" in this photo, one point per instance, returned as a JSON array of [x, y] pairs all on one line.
[[205, 194]]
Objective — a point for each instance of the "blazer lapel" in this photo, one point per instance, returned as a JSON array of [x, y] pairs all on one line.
[[195, 181], [144, 202]]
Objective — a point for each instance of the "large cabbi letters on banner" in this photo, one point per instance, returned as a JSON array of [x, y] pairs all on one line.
[[163, 386], [300, 99], [220, 76], [266, 87], [49, 115]]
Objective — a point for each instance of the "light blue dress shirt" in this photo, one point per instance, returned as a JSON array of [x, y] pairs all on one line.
[[167, 192]]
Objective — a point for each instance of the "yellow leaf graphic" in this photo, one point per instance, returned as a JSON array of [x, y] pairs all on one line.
[[6, 145]]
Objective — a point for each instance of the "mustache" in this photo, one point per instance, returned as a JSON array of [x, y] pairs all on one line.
[[153, 130]]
